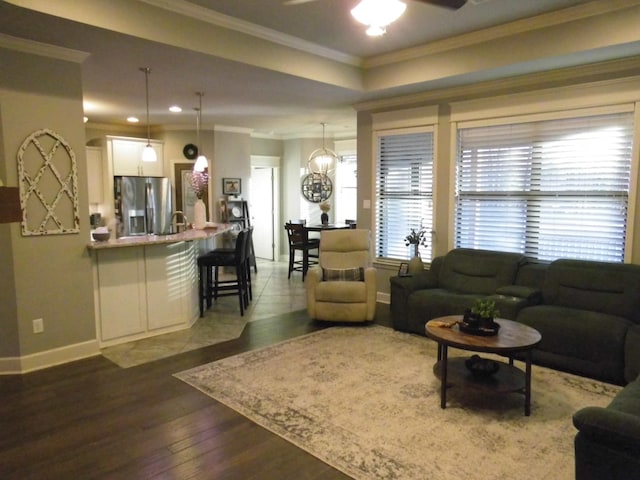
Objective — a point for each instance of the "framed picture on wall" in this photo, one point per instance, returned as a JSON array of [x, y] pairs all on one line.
[[231, 186]]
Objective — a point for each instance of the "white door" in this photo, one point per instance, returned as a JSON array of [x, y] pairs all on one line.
[[261, 211]]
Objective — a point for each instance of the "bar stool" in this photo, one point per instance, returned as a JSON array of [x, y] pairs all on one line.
[[210, 286], [299, 241]]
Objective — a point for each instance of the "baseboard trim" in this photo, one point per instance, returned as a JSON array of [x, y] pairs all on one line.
[[382, 297], [49, 358]]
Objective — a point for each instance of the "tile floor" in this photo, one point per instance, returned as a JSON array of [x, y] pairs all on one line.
[[273, 294]]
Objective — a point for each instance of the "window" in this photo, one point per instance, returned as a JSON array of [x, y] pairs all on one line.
[[549, 189], [346, 189], [404, 186]]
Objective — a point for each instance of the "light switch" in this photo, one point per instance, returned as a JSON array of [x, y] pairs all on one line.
[[366, 204]]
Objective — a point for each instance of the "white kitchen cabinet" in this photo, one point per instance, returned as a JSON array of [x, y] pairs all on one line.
[[125, 155], [145, 291], [122, 293], [95, 177]]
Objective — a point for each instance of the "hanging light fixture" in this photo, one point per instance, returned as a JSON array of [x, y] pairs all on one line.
[[322, 160], [201, 162], [377, 14], [148, 154]]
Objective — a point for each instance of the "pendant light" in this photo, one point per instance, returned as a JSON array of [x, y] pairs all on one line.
[[323, 160], [148, 154], [201, 163]]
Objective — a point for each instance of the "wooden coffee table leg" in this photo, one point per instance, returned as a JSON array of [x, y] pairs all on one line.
[[527, 384], [443, 373]]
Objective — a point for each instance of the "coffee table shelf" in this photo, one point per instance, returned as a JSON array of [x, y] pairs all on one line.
[[507, 379]]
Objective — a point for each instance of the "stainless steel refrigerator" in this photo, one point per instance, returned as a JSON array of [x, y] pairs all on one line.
[[142, 205]]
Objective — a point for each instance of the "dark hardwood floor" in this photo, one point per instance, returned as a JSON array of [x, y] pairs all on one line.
[[93, 420]]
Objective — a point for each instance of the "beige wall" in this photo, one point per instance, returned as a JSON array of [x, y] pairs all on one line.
[[49, 277]]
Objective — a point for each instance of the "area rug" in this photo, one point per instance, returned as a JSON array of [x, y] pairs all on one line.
[[365, 400]]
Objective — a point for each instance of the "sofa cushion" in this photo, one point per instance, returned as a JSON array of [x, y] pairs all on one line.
[[596, 286], [581, 341], [425, 305], [478, 271], [632, 354]]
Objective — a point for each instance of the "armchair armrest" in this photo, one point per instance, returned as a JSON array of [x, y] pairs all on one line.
[[609, 426]]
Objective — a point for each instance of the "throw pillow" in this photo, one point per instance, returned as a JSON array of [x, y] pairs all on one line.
[[344, 274]]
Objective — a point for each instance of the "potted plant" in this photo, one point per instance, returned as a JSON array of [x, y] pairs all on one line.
[[416, 238], [482, 314]]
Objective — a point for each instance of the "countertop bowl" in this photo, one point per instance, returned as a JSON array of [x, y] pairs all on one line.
[[101, 236]]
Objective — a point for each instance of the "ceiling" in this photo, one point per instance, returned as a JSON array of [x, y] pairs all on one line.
[[266, 67]]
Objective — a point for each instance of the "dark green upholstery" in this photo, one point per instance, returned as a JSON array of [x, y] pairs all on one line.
[[451, 285], [587, 312], [607, 445]]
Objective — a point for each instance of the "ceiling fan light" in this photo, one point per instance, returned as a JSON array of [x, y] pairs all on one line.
[[375, 31], [378, 13]]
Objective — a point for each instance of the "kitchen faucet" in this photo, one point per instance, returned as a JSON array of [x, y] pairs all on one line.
[[177, 225]]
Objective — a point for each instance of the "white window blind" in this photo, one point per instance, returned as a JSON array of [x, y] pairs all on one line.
[[549, 189], [404, 186]]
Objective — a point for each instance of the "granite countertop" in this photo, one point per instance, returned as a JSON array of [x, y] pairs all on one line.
[[141, 240]]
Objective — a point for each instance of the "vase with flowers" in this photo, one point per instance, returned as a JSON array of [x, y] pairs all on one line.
[[416, 238], [199, 184], [324, 216]]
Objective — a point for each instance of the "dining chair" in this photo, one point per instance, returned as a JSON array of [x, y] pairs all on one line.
[[299, 241], [352, 223]]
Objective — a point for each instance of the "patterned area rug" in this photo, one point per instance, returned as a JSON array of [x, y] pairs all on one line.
[[365, 400]]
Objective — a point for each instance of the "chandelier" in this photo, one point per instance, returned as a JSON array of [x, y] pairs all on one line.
[[322, 160]]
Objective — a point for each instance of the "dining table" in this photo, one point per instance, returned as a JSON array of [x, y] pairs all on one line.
[[327, 226]]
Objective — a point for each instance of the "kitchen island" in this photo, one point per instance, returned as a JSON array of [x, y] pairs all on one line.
[[147, 285]]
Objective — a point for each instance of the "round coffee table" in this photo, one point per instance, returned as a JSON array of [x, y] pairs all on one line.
[[513, 337]]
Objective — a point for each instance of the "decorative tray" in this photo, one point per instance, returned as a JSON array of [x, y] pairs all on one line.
[[480, 331]]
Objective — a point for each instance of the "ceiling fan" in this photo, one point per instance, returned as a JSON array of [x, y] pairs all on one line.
[[452, 4]]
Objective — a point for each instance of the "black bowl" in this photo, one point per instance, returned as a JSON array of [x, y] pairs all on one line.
[[481, 367]]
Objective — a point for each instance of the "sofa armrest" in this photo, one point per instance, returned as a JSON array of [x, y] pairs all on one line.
[[401, 290], [609, 426], [532, 295]]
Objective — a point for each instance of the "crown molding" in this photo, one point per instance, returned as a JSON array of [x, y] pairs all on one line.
[[42, 49], [558, 17], [210, 16], [626, 67]]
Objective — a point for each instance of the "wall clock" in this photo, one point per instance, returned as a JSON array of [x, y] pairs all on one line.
[[190, 151]]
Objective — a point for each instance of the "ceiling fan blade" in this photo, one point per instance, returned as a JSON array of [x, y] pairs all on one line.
[[296, 2], [452, 4]]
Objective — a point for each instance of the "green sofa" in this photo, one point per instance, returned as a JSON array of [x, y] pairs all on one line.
[[589, 316], [607, 445], [587, 312]]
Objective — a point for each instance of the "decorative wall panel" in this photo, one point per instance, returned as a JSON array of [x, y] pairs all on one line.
[[48, 185]]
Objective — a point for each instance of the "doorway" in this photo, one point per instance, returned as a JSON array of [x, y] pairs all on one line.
[[263, 208]]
